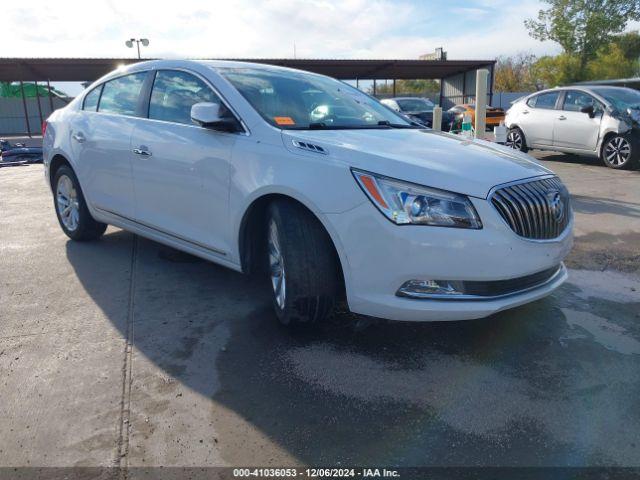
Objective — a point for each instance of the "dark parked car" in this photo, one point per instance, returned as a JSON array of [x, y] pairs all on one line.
[[419, 109], [17, 153]]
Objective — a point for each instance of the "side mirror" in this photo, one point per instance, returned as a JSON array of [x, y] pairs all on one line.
[[207, 115], [588, 109]]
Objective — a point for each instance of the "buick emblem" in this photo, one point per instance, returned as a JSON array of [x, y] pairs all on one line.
[[556, 205]]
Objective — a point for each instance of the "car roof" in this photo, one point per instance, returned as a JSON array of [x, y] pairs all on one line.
[[410, 98], [213, 64], [186, 64], [590, 89]]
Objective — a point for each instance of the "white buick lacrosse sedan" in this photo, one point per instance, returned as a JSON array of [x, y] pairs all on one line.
[[332, 194]]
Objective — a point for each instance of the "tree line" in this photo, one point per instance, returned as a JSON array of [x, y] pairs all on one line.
[[591, 34]]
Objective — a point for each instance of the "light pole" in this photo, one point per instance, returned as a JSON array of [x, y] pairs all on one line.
[[138, 41]]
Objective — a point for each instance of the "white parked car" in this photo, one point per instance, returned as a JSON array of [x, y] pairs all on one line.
[[596, 121], [334, 195]]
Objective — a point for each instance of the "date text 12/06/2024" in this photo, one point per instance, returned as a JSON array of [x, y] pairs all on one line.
[[315, 473]]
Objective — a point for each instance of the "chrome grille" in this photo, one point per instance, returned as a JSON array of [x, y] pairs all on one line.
[[538, 209]]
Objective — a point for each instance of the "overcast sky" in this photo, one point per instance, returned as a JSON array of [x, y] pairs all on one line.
[[269, 28]]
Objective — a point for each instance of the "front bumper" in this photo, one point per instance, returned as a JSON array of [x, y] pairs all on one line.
[[379, 256]]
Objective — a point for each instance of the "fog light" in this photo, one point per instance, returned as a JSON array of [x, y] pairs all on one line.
[[429, 288]]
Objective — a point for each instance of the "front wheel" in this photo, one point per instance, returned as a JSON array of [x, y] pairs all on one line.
[[617, 152], [515, 140], [302, 263], [71, 208]]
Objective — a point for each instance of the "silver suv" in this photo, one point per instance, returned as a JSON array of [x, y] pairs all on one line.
[[597, 121]]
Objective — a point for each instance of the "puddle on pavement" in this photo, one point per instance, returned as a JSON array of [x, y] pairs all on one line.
[[608, 285], [606, 333], [598, 305]]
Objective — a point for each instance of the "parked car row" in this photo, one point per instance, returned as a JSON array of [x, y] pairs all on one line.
[[596, 121], [18, 153], [421, 110], [494, 115]]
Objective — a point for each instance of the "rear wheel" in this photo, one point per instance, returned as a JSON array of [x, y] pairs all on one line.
[[618, 153], [302, 263], [516, 140], [71, 208]]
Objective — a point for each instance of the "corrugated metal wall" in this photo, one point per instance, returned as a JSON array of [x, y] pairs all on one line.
[[460, 88], [12, 120]]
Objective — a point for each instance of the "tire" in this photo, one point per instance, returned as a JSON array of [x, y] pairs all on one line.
[[302, 265], [618, 152], [71, 209], [517, 140]]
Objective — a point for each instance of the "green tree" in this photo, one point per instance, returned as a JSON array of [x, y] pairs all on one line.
[[513, 74], [611, 62], [416, 87], [583, 27], [554, 71], [629, 43]]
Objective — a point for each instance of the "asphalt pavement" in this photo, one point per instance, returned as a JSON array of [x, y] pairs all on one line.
[[123, 352]]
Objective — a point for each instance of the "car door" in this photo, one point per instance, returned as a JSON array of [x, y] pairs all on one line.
[[537, 117], [181, 170], [573, 128], [100, 139]]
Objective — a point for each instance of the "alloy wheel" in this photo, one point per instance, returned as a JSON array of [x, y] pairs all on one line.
[[276, 265], [514, 140], [67, 203], [617, 151]]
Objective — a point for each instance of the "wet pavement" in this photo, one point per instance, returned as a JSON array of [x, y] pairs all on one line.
[[124, 352]]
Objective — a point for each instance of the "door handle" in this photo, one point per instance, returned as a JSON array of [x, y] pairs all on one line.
[[142, 150], [562, 117], [525, 112], [78, 137]]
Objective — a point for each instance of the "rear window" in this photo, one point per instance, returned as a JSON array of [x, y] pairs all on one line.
[[415, 105], [120, 95], [91, 100]]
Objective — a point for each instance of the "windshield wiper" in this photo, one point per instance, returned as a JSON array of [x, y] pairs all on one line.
[[387, 123], [324, 126]]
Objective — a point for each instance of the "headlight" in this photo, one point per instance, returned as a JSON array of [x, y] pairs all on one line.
[[406, 203]]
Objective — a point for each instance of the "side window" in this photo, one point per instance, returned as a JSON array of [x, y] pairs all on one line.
[[574, 101], [547, 100], [120, 95], [91, 100], [174, 93], [532, 101]]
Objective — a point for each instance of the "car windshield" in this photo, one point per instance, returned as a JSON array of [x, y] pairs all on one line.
[[620, 98], [299, 100], [415, 105]]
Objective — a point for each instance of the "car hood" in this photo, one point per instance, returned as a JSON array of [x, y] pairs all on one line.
[[426, 157]]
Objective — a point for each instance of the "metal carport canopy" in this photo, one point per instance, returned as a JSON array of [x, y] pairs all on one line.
[[88, 69]]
